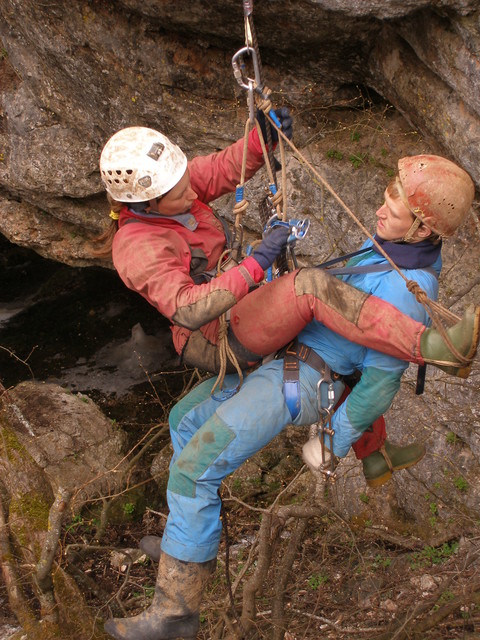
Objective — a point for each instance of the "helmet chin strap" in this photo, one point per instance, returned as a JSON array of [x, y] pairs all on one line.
[[408, 237], [152, 206]]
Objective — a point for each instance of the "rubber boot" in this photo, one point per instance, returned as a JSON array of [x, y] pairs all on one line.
[[151, 546], [379, 466], [464, 336], [175, 609]]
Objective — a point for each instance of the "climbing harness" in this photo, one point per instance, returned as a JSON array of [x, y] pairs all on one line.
[[330, 388]]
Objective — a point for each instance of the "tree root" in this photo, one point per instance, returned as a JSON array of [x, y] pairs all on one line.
[[272, 523]]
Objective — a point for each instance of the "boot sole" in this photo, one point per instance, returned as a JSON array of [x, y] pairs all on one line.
[[378, 481]]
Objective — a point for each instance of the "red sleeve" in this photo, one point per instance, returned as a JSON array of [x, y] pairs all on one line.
[[155, 262], [218, 173]]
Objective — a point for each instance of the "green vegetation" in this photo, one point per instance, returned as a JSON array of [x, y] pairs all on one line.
[[357, 159], [336, 155], [128, 508], [460, 483], [451, 438], [429, 556], [317, 580]]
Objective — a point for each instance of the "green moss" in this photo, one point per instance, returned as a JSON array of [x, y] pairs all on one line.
[[33, 508], [9, 442]]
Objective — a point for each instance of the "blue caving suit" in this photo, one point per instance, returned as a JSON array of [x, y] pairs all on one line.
[[211, 439]]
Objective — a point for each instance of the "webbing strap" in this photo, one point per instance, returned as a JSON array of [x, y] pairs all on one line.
[[371, 268], [297, 352]]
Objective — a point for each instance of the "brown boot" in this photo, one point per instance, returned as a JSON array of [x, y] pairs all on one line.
[[175, 608]]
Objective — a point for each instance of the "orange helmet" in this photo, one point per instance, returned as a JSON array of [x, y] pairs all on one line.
[[438, 192]]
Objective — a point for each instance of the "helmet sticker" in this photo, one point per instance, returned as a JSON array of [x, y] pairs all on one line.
[[155, 152]]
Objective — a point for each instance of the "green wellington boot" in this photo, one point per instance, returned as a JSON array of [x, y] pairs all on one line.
[[464, 336], [379, 465], [175, 609]]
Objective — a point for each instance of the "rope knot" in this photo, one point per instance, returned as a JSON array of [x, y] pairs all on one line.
[[265, 104], [240, 207], [417, 291], [277, 199]]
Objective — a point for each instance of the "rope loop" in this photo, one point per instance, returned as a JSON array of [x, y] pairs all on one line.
[[277, 198], [240, 207], [225, 351]]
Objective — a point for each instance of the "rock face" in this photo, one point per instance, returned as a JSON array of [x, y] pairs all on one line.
[[57, 451], [72, 74]]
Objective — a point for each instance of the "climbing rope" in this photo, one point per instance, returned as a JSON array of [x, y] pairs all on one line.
[[225, 351], [241, 204]]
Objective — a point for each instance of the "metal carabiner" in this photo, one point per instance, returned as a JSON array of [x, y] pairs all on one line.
[[326, 408], [239, 69], [298, 228]]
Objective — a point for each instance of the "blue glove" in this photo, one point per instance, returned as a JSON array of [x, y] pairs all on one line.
[[271, 246], [285, 119]]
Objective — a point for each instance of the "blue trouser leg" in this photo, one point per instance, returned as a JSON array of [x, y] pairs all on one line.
[[197, 395], [211, 442]]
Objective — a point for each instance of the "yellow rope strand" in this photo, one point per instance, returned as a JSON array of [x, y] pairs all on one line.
[[225, 351]]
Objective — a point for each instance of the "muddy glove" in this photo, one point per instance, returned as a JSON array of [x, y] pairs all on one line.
[[271, 246], [286, 121]]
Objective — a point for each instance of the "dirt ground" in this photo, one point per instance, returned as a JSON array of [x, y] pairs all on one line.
[[320, 576]]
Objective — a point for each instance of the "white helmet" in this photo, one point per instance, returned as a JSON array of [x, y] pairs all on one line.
[[139, 164]]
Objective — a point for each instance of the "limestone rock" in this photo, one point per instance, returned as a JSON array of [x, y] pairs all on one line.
[[71, 75]]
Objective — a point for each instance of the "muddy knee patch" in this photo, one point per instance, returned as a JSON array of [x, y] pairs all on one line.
[[334, 293], [198, 455]]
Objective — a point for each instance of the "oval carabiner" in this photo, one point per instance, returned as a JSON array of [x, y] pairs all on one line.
[[239, 69]]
